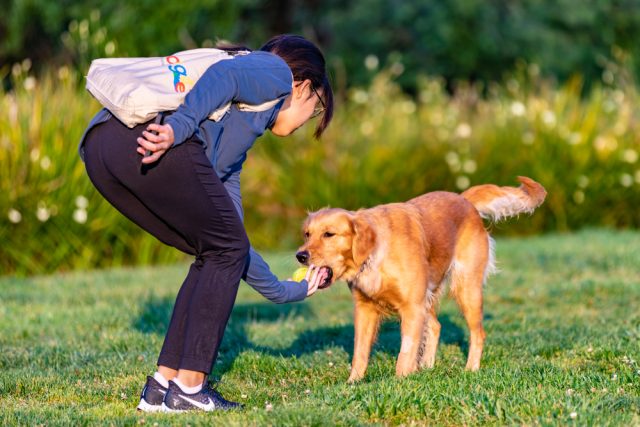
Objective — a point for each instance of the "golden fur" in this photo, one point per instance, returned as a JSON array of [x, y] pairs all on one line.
[[395, 258]]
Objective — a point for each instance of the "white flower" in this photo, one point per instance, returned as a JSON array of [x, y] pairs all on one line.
[[573, 415], [81, 202], [83, 29], [397, 68], [63, 72], [42, 213], [605, 143], [463, 130], [45, 163], [574, 138], [578, 197], [462, 182], [630, 155], [408, 107], [360, 96], [528, 138], [518, 109], [366, 128], [469, 166], [626, 180], [14, 216], [371, 62], [534, 69], [452, 158], [35, 154], [583, 181], [549, 118], [80, 216], [29, 83], [109, 48], [16, 69], [268, 406]]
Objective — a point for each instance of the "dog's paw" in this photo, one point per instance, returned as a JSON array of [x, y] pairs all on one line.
[[354, 378]]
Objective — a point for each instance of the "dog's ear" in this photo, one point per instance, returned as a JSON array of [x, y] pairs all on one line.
[[364, 239]]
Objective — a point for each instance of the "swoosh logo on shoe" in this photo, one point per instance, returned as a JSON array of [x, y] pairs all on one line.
[[144, 391], [205, 407]]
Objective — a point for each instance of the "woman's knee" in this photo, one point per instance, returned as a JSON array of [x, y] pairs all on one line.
[[236, 250]]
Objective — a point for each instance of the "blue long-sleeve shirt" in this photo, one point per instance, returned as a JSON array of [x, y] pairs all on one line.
[[251, 79]]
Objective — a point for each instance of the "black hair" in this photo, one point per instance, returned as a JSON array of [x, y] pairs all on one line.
[[306, 62]]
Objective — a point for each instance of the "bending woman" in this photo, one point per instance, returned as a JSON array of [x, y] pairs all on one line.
[[180, 181]]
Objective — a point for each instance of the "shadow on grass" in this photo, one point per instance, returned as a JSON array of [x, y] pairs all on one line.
[[156, 314]]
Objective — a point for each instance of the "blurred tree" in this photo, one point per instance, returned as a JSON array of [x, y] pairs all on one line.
[[457, 39]]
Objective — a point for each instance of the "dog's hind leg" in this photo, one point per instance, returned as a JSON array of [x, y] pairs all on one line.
[[467, 278]]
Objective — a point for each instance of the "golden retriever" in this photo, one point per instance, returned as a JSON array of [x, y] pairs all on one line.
[[395, 258]]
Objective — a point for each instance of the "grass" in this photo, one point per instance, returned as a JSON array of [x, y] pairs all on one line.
[[563, 347]]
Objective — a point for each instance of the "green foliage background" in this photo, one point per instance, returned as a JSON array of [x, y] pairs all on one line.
[[431, 96], [456, 39], [383, 146]]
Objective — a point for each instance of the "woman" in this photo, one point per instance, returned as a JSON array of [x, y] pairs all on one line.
[[180, 181]]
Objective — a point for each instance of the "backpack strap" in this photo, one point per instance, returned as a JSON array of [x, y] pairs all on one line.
[[220, 112]]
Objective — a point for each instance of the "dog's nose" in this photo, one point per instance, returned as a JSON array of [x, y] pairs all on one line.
[[303, 257]]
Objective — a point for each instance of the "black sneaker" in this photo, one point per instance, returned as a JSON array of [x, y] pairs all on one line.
[[152, 396], [206, 399]]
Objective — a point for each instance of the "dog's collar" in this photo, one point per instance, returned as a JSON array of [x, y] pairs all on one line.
[[365, 266]]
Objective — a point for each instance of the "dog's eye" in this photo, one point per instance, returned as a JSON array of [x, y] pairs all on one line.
[[306, 234], [328, 234]]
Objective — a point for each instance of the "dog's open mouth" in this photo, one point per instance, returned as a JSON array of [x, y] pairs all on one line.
[[327, 281]]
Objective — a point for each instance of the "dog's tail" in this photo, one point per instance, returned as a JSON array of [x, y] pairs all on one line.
[[497, 203]]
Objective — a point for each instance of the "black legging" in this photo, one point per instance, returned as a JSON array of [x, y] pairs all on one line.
[[182, 202]]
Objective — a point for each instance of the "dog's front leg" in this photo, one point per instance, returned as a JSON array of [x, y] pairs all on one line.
[[366, 321], [412, 318]]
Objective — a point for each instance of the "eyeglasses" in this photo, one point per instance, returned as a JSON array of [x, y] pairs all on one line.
[[319, 109]]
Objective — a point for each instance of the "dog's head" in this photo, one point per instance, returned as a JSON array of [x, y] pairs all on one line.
[[338, 240]]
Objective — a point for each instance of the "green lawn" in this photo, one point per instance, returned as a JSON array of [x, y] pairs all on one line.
[[563, 347]]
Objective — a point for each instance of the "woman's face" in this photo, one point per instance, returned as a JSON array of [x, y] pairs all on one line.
[[303, 104]]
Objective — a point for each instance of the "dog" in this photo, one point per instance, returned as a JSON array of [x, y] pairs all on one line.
[[396, 258]]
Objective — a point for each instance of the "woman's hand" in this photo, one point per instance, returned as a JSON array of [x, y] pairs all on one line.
[[315, 276], [154, 145]]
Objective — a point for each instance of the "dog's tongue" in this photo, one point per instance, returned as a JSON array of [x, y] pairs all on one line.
[[328, 275]]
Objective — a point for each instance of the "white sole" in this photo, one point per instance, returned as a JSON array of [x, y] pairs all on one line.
[[165, 408], [146, 407]]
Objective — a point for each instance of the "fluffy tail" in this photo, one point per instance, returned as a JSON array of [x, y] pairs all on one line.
[[497, 203]]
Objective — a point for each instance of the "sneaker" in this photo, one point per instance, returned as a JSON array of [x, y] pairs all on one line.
[[206, 399], [152, 396]]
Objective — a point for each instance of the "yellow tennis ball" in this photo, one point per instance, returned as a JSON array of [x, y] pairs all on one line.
[[299, 274]]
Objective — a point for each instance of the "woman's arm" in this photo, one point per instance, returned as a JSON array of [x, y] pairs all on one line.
[[258, 274], [252, 79], [260, 278]]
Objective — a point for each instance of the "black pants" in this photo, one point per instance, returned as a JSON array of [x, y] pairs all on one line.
[[182, 202]]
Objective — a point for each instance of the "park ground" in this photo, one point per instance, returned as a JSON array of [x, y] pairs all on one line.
[[562, 320]]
